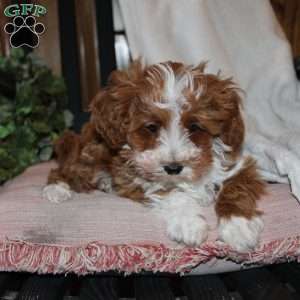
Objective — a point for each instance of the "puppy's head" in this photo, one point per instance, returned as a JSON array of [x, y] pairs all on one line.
[[170, 116]]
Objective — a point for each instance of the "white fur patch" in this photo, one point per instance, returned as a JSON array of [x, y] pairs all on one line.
[[190, 230], [175, 84], [204, 194], [206, 189], [148, 186], [57, 193], [240, 233], [104, 182], [183, 217]]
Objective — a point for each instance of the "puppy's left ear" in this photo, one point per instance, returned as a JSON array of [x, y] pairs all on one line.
[[233, 129]]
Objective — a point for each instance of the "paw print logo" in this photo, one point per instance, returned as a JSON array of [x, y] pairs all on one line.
[[24, 31]]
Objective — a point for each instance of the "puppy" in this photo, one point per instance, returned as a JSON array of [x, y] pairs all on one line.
[[171, 136]]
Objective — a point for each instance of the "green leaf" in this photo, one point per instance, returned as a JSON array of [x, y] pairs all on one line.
[[58, 122], [25, 92], [25, 136], [25, 110], [41, 110], [4, 175], [41, 127], [6, 112], [17, 54], [54, 136], [6, 130], [36, 61], [26, 157], [33, 112], [7, 161], [56, 87], [2, 61]]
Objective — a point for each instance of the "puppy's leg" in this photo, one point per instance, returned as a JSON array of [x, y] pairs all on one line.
[[185, 224], [95, 158], [81, 160], [240, 223], [67, 149], [57, 192]]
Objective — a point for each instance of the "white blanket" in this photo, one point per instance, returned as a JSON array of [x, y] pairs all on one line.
[[244, 40]]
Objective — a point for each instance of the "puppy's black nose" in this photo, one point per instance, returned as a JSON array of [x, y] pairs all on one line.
[[173, 168]]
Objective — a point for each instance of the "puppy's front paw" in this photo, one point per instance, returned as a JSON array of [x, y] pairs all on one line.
[[190, 230], [57, 192], [240, 233], [105, 184]]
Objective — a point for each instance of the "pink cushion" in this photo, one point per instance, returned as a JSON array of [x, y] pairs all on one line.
[[99, 232]]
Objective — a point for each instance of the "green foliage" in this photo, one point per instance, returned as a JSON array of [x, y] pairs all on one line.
[[32, 112]]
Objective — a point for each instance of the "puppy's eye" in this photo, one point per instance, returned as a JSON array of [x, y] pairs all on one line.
[[195, 127], [152, 127]]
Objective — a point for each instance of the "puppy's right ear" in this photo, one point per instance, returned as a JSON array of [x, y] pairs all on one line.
[[110, 108], [109, 115]]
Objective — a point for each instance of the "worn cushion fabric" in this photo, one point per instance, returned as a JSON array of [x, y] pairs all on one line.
[[100, 232]]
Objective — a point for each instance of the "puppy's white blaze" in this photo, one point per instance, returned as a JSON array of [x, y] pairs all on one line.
[[174, 141], [170, 89], [174, 85], [175, 144]]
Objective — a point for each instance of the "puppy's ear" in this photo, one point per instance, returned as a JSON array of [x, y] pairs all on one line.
[[234, 131], [224, 107], [109, 115], [110, 109]]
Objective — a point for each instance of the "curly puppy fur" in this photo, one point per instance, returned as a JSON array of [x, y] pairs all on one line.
[[171, 136]]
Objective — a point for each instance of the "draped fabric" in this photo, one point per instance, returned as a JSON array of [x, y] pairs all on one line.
[[243, 39]]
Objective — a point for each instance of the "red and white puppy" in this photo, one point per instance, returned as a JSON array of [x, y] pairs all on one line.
[[169, 135]]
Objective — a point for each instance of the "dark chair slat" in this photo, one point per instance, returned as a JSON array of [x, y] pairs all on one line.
[[43, 288], [258, 284], [289, 273], [206, 287], [153, 288], [4, 278], [13, 282], [297, 66], [99, 288]]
